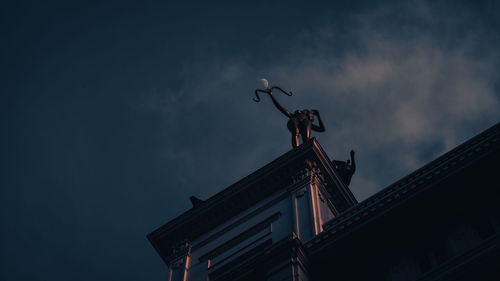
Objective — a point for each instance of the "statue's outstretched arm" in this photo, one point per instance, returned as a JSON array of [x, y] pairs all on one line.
[[275, 102], [283, 91], [321, 127], [257, 95], [278, 106]]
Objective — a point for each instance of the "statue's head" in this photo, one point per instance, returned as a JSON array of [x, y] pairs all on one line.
[[309, 114]]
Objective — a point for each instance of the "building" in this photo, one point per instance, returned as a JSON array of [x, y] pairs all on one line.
[[294, 219]]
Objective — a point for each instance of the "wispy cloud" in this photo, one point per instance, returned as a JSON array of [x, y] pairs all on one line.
[[399, 95]]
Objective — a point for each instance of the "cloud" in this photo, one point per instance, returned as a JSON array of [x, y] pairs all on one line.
[[399, 95]]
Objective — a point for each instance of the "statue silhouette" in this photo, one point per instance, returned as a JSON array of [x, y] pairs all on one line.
[[345, 169], [196, 201], [300, 122]]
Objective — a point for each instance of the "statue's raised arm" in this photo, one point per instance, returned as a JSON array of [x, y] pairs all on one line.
[[275, 102], [300, 122]]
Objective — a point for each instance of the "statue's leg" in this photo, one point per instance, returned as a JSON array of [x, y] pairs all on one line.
[[305, 130], [295, 139], [293, 127]]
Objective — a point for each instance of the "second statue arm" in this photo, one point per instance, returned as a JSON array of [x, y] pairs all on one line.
[[321, 127]]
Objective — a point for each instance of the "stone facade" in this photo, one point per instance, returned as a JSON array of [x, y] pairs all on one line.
[[294, 219]]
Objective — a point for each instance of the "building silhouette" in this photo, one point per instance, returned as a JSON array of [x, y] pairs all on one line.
[[295, 219]]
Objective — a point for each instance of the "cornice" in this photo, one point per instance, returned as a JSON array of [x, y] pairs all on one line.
[[409, 186]]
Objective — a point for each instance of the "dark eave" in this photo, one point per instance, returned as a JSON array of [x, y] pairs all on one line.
[[408, 187]]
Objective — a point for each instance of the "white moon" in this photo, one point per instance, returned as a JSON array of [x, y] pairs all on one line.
[[264, 82]]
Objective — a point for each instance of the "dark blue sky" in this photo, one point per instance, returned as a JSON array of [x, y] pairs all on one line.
[[113, 114]]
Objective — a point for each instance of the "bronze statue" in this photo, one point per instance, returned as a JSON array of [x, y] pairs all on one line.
[[301, 121], [345, 169]]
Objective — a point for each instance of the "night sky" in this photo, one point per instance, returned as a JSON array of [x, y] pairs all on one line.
[[112, 114]]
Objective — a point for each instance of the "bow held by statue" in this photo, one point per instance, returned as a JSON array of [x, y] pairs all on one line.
[[269, 91]]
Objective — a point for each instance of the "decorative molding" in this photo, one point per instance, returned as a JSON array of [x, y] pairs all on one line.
[[321, 197], [177, 264], [300, 192], [240, 221], [288, 249], [244, 235], [310, 169], [233, 266], [180, 251], [409, 186]]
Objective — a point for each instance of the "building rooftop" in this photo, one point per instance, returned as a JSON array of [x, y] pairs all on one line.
[[248, 191]]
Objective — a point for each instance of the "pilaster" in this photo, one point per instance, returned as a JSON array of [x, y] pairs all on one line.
[[178, 262], [287, 261]]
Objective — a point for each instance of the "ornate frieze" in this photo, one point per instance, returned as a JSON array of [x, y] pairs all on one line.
[[310, 169], [180, 252]]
